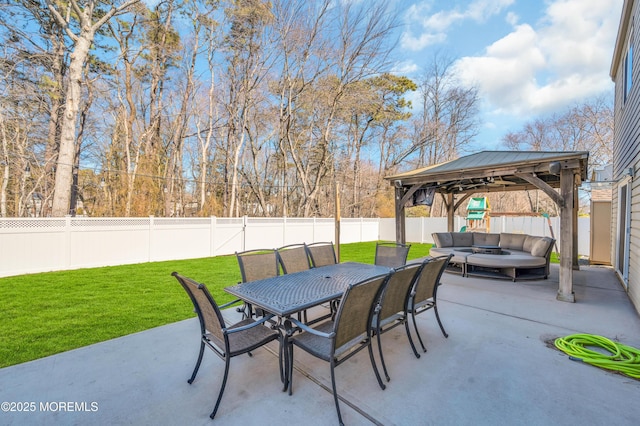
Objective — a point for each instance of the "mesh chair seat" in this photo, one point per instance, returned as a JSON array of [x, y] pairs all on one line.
[[246, 340]]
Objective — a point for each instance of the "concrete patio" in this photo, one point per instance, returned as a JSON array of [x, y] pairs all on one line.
[[496, 367]]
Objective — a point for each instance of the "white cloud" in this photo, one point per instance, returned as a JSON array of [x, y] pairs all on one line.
[[512, 19], [433, 26], [564, 58], [418, 43], [405, 67]]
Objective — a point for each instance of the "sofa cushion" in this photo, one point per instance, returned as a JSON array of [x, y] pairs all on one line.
[[512, 261], [442, 239], [462, 239], [529, 242], [541, 247], [458, 256], [483, 239], [512, 241]]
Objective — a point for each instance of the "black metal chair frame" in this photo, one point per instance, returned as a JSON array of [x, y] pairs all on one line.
[[427, 301], [391, 310], [399, 251], [342, 344], [213, 328]]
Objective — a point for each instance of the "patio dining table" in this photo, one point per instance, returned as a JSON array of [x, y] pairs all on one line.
[[289, 294]]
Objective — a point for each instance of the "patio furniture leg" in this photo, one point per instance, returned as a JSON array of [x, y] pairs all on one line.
[[195, 370], [384, 366], [435, 308], [375, 367], [284, 364], [224, 383], [415, 352], [415, 326], [335, 393], [290, 367]]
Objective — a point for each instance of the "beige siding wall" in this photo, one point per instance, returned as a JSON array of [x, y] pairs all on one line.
[[626, 154]]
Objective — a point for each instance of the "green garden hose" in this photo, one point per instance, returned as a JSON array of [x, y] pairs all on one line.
[[622, 358]]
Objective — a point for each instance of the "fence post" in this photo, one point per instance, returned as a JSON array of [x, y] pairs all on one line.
[[284, 230], [212, 234], [244, 233], [67, 240], [313, 230], [150, 241]]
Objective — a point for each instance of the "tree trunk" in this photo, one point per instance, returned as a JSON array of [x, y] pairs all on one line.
[[64, 169]]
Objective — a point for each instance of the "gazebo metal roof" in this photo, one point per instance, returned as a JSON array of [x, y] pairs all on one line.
[[495, 171]]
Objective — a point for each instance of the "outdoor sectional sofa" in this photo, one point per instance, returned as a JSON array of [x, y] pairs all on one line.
[[504, 255]]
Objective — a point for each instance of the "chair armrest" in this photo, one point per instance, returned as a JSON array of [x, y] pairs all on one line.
[[226, 305], [248, 326], [312, 330]]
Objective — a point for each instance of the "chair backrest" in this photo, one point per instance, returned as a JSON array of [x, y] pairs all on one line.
[[209, 315], [391, 254], [353, 318], [294, 258], [396, 291], [322, 254], [426, 283], [258, 264]]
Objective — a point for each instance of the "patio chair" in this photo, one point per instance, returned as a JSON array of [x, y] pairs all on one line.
[[392, 306], [293, 258], [335, 341], [423, 295], [391, 254], [322, 254], [257, 265], [225, 341]]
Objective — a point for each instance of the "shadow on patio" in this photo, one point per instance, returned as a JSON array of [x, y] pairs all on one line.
[[495, 368]]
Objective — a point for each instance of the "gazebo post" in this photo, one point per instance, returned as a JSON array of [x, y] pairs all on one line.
[[450, 211], [401, 236], [567, 189]]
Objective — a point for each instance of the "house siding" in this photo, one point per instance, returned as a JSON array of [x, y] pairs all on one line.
[[626, 145]]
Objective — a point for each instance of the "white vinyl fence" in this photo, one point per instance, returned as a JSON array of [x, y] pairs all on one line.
[[29, 245]]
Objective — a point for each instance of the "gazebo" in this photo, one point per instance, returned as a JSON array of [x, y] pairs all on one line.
[[498, 171]]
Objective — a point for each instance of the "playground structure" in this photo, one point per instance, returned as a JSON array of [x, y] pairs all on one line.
[[478, 218]]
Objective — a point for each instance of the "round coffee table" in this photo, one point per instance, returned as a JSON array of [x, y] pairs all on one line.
[[486, 249]]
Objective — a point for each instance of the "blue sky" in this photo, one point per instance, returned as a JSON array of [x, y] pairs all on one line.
[[528, 58]]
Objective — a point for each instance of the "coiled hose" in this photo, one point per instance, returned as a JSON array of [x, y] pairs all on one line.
[[622, 358]]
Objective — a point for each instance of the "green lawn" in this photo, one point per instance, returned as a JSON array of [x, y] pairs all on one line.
[[48, 313]]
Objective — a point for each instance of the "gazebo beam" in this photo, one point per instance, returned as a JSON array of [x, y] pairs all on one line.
[[543, 186]]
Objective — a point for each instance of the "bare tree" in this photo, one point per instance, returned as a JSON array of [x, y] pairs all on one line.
[[447, 121], [583, 127], [89, 19]]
